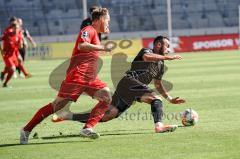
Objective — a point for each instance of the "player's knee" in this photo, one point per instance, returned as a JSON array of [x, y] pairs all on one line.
[[58, 104], [103, 95], [108, 99], [12, 69], [157, 102], [106, 96], [109, 115], [149, 98], [154, 97]]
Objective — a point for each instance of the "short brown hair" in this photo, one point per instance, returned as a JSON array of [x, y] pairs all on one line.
[[12, 19], [97, 13], [92, 9]]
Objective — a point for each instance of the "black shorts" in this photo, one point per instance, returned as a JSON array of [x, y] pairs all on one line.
[[22, 52], [128, 91]]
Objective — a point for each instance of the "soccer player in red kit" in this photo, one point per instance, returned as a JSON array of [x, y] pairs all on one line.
[[12, 40], [81, 77]]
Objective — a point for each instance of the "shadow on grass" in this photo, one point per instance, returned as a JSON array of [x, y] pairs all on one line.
[[120, 132], [43, 143], [103, 133], [60, 136]]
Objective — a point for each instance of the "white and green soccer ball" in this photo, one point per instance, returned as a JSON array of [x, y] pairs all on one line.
[[189, 117]]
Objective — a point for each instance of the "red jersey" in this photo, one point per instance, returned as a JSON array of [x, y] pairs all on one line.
[[11, 41], [83, 65]]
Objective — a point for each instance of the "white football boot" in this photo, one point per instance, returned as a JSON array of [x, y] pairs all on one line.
[[24, 135], [89, 133]]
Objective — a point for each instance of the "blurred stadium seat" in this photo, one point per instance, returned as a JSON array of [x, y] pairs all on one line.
[[54, 17]]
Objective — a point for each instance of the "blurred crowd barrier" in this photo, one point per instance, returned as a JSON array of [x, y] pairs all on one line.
[[132, 46]]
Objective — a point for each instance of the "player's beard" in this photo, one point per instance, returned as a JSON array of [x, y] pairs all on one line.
[[104, 28], [161, 51]]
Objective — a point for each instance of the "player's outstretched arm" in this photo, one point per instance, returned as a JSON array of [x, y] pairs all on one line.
[[161, 89], [30, 38], [85, 46], [155, 57]]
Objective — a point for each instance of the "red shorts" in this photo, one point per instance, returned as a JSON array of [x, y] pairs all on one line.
[[72, 90], [10, 61]]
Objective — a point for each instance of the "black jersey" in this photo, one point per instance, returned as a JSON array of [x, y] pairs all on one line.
[[25, 35], [86, 22], [143, 71]]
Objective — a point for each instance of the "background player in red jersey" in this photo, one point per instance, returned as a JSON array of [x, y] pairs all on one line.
[[81, 77], [12, 40]]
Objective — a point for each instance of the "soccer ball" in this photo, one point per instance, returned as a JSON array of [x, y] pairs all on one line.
[[189, 117]]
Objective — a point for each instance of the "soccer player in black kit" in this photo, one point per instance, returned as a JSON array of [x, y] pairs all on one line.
[[148, 65]]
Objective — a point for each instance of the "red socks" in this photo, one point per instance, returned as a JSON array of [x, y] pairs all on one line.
[[96, 114], [9, 76], [23, 69], [39, 116], [5, 70]]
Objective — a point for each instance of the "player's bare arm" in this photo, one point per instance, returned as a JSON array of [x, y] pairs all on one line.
[[29, 37], [149, 57], [161, 89], [85, 46]]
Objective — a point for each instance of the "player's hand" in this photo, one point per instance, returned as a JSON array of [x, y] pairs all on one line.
[[177, 100], [176, 57], [34, 45], [107, 49]]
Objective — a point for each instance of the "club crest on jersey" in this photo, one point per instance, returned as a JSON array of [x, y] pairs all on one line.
[[84, 35]]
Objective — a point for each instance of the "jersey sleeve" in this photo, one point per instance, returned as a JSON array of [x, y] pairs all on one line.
[[85, 35], [143, 51]]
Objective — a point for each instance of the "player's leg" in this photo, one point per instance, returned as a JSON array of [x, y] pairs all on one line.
[[63, 114], [9, 69], [104, 97], [157, 112], [40, 115], [117, 106], [22, 68], [22, 52], [3, 73]]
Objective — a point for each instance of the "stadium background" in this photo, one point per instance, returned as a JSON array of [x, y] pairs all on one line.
[[197, 25], [208, 80]]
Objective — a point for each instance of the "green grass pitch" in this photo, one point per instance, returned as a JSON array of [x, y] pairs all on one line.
[[210, 82]]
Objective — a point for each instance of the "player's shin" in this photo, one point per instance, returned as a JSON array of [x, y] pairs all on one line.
[[9, 76], [157, 111], [83, 118], [21, 67], [41, 114], [96, 114]]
